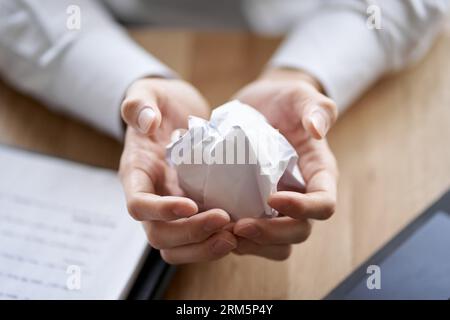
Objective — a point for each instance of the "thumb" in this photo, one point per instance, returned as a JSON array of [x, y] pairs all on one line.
[[140, 111], [319, 118]]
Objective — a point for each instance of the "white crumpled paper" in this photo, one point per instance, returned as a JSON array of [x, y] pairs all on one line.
[[234, 161]]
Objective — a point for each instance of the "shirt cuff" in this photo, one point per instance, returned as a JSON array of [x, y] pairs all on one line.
[[95, 72], [338, 49]]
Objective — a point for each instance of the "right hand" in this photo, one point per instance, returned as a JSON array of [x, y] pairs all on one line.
[[152, 109]]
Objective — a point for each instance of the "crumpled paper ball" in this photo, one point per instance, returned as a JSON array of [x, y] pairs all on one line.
[[234, 161]]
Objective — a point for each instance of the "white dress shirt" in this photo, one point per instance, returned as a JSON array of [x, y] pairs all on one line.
[[86, 72]]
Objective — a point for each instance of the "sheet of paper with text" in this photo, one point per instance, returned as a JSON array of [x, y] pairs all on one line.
[[64, 230]]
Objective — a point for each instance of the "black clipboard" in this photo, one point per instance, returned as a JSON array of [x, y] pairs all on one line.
[[345, 290], [153, 278]]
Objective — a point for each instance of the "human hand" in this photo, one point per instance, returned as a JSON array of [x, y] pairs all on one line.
[[153, 108], [293, 103]]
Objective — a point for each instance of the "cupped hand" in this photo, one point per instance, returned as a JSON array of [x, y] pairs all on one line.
[[153, 108], [293, 103]]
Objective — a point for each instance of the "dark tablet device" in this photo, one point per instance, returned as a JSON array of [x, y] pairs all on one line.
[[415, 264], [153, 278]]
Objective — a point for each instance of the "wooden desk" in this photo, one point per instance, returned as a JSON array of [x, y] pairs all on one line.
[[393, 148]]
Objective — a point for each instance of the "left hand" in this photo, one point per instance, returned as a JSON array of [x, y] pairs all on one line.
[[293, 103]]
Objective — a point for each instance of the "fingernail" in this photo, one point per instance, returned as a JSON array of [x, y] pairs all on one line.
[[222, 246], [319, 121], [249, 231], [145, 119], [213, 225]]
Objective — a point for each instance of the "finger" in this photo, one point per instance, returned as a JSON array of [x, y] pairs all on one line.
[[319, 169], [166, 235], [139, 171], [275, 231], [318, 118], [318, 205], [140, 110], [215, 247], [143, 205], [274, 252], [316, 157], [150, 207]]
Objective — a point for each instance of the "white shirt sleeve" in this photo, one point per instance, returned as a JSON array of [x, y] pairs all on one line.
[[336, 45], [84, 72]]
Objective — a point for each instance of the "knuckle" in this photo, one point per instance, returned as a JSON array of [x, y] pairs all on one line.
[[296, 87], [329, 209], [284, 253], [300, 91], [331, 107], [130, 103], [129, 106], [153, 237], [303, 232], [306, 232], [133, 206]]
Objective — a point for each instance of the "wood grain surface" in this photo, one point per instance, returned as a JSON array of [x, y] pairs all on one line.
[[393, 149]]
